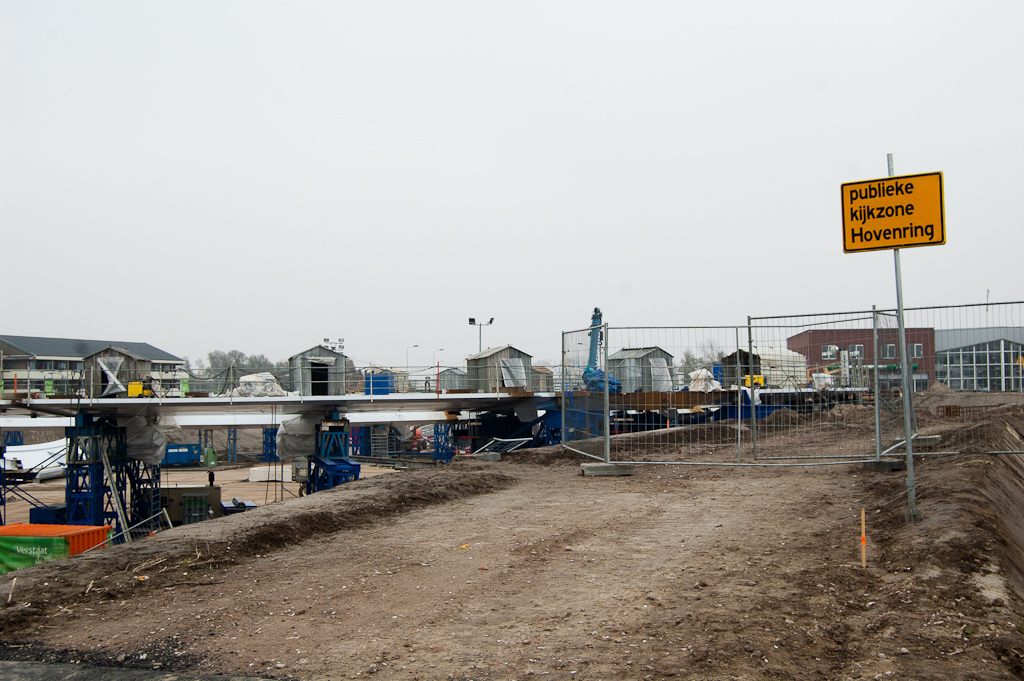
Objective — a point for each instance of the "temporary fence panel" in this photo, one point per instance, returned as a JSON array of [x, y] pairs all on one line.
[[967, 372], [799, 389], [820, 382], [704, 395], [585, 393]]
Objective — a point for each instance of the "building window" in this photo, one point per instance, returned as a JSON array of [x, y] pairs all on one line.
[[916, 350], [829, 351], [857, 351], [889, 351]]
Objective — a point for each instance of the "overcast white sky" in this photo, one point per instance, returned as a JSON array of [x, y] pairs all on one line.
[[261, 175]]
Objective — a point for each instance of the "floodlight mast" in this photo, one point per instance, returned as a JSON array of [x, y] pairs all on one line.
[[480, 326]]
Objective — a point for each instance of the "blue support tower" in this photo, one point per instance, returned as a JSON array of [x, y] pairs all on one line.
[[444, 450], [269, 444], [330, 465], [232, 445], [92, 493], [13, 438]]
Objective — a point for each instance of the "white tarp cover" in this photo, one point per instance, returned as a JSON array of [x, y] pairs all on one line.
[[513, 372], [263, 384], [296, 437], [147, 436], [703, 381], [110, 366], [661, 377], [822, 381], [43, 455]]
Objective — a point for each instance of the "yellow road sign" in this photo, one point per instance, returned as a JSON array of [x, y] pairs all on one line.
[[893, 212]]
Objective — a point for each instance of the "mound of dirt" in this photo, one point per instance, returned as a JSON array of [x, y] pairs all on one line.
[[782, 417], [852, 413], [111, 572]]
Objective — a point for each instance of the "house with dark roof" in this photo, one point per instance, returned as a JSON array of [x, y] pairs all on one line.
[[73, 366]]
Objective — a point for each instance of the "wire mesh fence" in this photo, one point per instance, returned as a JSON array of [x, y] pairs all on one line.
[[813, 388], [700, 395], [585, 392]]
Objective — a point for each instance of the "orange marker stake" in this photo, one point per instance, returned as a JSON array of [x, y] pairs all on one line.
[[863, 540]]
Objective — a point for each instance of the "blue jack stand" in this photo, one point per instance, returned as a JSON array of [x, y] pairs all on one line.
[[330, 465]]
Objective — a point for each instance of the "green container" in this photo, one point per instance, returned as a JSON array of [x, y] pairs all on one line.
[[210, 457]]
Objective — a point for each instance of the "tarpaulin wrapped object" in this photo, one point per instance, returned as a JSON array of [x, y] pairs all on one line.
[[147, 435], [703, 381], [263, 384], [296, 437]]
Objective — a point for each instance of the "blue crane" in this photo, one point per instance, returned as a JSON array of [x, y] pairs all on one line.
[[593, 378]]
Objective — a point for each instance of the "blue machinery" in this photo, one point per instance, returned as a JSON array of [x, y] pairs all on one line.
[[337, 443]]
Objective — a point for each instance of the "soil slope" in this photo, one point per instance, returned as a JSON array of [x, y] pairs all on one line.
[[525, 569]]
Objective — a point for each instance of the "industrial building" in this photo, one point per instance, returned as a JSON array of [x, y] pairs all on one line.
[[642, 369], [989, 359], [543, 380], [451, 379], [73, 366], [824, 350], [323, 371], [497, 368]]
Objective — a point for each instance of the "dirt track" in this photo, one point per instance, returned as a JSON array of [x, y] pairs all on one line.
[[525, 569]]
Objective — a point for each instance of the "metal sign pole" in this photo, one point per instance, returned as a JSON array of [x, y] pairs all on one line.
[[877, 399], [607, 407], [753, 409], [565, 401], [912, 513]]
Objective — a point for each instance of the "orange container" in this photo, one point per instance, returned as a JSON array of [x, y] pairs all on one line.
[[79, 537]]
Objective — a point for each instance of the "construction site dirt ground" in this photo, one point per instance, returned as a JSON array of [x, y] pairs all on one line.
[[524, 569]]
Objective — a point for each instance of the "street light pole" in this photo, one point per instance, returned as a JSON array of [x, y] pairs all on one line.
[[407, 358]]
